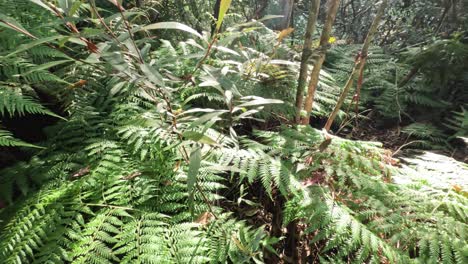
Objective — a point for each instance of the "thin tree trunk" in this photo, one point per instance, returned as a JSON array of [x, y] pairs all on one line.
[[359, 64], [215, 15], [448, 5], [454, 15], [306, 53], [291, 24], [314, 76]]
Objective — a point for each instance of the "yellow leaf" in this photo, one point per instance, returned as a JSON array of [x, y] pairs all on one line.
[[223, 8], [332, 40], [284, 33]]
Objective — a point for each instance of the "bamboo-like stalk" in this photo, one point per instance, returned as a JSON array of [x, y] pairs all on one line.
[[314, 76], [359, 64], [306, 53]]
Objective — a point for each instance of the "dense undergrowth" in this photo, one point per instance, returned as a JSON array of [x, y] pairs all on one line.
[[170, 152]]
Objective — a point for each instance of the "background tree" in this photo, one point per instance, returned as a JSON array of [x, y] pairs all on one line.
[[358, 70], [306, 55], [324, 44], [287, 7]]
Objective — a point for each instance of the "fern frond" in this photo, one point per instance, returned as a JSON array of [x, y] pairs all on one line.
[[7, 140], [14, 103]]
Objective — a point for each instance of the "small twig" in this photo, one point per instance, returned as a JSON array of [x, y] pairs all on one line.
[[50, 45], [111, 206], [404, 145], [111, 32], [127, 25], [91, 46], [208, 51], [348, 121], [19, 29]]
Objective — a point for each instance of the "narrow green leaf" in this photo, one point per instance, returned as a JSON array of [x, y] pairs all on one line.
[[268, 17], [194, 167], [40, 3], [199, 137], [144, 51], [11, 21], [34, 43], [173, 25], [202, 110], [116, 59], [74, 8], [223, 8], [261, 101], [45, 66], [153, 75], [117, 88], [205, 118], [227, 50], [65, 5]]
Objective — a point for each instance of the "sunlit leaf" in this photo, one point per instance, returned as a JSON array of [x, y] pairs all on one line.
[[223, 8], [194, 167], [261, 101], [205, 118], [199, 137], [65, 5], [173, 25], [153, 75], [40, 3]]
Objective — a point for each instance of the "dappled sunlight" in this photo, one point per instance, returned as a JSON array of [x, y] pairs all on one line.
[[220, 131]]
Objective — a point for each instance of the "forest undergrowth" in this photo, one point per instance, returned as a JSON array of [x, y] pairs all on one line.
[[161, 143]]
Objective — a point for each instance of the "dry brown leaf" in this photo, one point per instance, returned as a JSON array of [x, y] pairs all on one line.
[[205, 218], [284, 33]]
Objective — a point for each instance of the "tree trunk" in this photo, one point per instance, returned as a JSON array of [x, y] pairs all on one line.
[[359, 64], [260, 8], [448, 5], [314, 77], [454, 16], [286, 11], [306, 53]]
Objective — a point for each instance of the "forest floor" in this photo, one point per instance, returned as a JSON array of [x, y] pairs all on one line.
[[439, 169], [433, 169], [399, 143]]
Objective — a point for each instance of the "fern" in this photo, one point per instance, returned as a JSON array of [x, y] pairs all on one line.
[[13, 103], [426, 132], [7, 140], [114, 183], [458, 122]]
